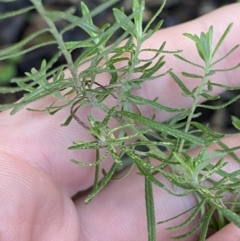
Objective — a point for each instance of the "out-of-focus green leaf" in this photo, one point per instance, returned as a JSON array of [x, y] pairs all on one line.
[[236, 122], [15, 12]]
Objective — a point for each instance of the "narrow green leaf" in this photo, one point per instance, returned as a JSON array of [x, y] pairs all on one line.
[[228, 150], [224, 174], [27, 50], [39, 76], [68, 121], [193, 215], [225, 87], [124, 20], [120, 127], [189, 233], [201, 156], [164, 128], [236, 122], [222, 39], [187, 61], [230, 215], [206, 223], [226, 55], [114, 75], [15, 12], [138, 18], [140, 80], [157, 52], [220, 106], [120, 140], [177, 216], [108, 117], [220, 186], [97, 169], [5, 90], [194, 76], [7, 106], [206, 45], [185, 90], [209, 36], [149, 200], [99, 9], [117, 60], [177, 180], [207, 130], [154, 143], [71, 45], [85, 145], [151, 71], [219, 165], [226, 70], [85, 11], [91, 164], [150, 32], [234, 185], [18, 46], [144, 167], [83, 22], [102, 183], [142, 68], [40, 93], [221, 221], [210, 97], [198, 44], [162, 159], [182, 162], [55, 15], [154, 17], [88, 53], [143, 101], [115, 155]]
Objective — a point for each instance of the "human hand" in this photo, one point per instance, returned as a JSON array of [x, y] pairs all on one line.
[[37, 180]]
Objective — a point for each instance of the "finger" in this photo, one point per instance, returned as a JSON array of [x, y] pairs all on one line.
[[165, 88], [230, 232], [32, 207], [38, 139], [120, 207], [119, 212]]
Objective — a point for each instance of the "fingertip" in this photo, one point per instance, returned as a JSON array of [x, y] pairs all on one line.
[[229, 232]]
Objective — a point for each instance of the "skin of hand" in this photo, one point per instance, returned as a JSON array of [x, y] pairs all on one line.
[[37, 179]]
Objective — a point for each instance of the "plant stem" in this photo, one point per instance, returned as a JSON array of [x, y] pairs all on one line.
[[52, 28], [194, 105]]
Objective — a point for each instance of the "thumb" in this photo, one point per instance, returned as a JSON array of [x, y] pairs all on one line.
[[32, 207]]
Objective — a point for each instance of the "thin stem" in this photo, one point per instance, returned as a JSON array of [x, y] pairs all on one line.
[[194, 105], [39, 7], [72, 111]]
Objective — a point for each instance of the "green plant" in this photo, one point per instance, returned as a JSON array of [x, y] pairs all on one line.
[[191, 173]]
